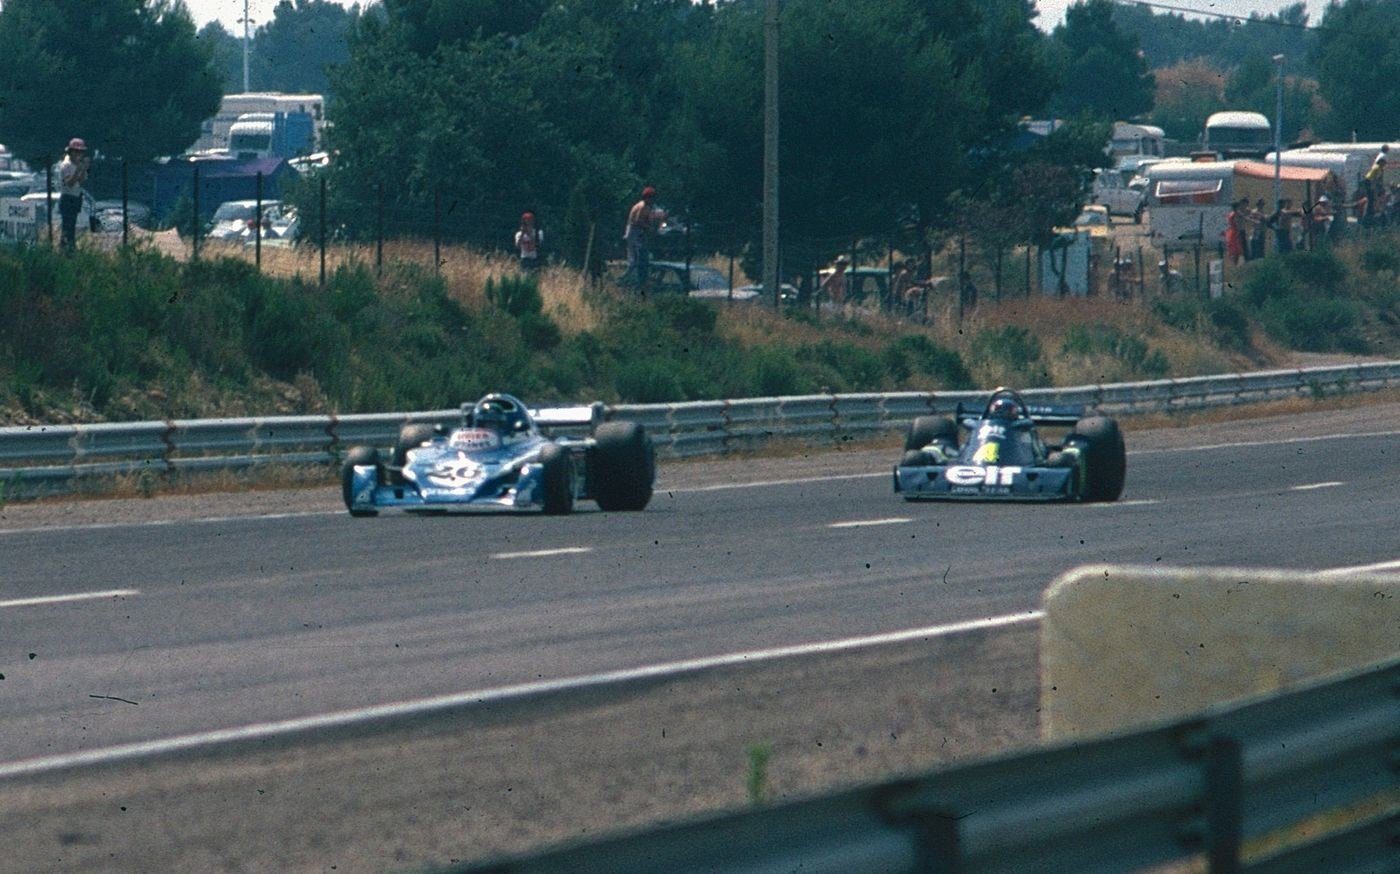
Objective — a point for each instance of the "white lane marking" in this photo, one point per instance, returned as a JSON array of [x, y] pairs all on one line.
[[1310, 486], [867, 523], [424, 706], [544, 553], [769, 483], [1245, 444], [1140, 502], [63, 599], [1394, 564], [158, 523]]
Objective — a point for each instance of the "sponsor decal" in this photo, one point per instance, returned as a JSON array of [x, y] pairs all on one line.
[[975, 475], [475, 438]]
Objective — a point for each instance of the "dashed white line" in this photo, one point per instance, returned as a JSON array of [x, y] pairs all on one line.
[[63, 599], [1140, 502], [867, 523], [268, 730], [1310, 486], [544, 553]]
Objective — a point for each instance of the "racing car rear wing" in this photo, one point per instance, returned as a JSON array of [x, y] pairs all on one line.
[[1041, 414], [564, 417]]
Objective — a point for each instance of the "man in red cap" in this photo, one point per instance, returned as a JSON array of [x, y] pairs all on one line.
[[642, 221], [527, 242], [72, 173]]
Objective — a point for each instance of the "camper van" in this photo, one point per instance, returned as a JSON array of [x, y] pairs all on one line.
[[1136, 139], [1187, 201], [1238, 135]]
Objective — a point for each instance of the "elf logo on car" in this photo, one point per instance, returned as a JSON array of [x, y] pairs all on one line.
[[972, 475]]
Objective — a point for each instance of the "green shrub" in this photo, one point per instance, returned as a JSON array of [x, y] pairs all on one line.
[[1269, 279], [1316, 270], [1314, 324], [1380, 259], [516, 294], [1229, 325], [1010, 354], [915, 354], [1131, 351]]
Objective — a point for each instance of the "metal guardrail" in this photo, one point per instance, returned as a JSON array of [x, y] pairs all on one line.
[[1197, 789], [52, 458]]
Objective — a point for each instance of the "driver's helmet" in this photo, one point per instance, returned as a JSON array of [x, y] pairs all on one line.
[[501, 414], [1003, 408]]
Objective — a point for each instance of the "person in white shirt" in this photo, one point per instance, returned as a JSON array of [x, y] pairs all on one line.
[[527, 242], [72, 173]]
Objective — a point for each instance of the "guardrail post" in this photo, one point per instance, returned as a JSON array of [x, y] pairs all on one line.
[[1224, 772], [726, 421]]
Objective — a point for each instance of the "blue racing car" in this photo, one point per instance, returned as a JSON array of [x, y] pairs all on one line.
[[1004, 457], [499, 458]]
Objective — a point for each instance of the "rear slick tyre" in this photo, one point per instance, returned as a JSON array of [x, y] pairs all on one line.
[[623, 467], [1105, 458]]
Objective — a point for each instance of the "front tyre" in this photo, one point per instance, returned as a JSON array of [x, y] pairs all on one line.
[[362, 456], [557, 480], [928, 430], [623, 467]]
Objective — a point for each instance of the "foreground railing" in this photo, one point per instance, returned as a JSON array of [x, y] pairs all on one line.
[[43, 459], [1307, 781]]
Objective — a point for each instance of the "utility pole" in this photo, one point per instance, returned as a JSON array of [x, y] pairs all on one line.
[[246, 89], [1278, 129], [771, 284]]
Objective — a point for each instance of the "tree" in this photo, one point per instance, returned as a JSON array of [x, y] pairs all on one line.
[[1106, 74], [1187, 93], [226, 53], [293, 51], [1358, 65], [129, 76]]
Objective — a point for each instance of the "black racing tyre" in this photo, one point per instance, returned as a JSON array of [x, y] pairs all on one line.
[[411, 437], [360, 455], [932, 429], [557, 479], [1105, 458], [624, 466]]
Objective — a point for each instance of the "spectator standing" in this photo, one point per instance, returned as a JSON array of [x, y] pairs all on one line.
[[72, 173], [643, 219], [1282, 223], [528, 240], [1261, 228], [1375, 190], [834, 285], [1234, 232], [1319, 217]]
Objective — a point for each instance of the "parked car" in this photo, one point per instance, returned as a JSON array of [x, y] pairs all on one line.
[[109, 214], [1119, 195], [235, 220]]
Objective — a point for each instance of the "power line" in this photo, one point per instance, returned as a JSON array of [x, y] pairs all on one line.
[[1241, 19]]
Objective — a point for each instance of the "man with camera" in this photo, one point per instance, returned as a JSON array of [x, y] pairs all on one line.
[[72, 174]]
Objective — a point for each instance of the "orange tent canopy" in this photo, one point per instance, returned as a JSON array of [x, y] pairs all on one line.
[[1265, 170]]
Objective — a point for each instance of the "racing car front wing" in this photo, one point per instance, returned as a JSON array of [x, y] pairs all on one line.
[[986, 482]]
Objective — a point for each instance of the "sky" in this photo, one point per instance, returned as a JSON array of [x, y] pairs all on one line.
[[1052, 12]]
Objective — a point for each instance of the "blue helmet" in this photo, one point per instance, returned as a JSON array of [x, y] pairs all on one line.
[[500, 413]]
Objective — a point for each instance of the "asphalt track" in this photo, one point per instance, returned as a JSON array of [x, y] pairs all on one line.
[[215, 618]]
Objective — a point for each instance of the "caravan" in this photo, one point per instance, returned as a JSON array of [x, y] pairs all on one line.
[[1348, 167], [1187, 201]]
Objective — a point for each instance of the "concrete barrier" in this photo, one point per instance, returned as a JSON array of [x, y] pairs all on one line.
[[1122, 646]]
